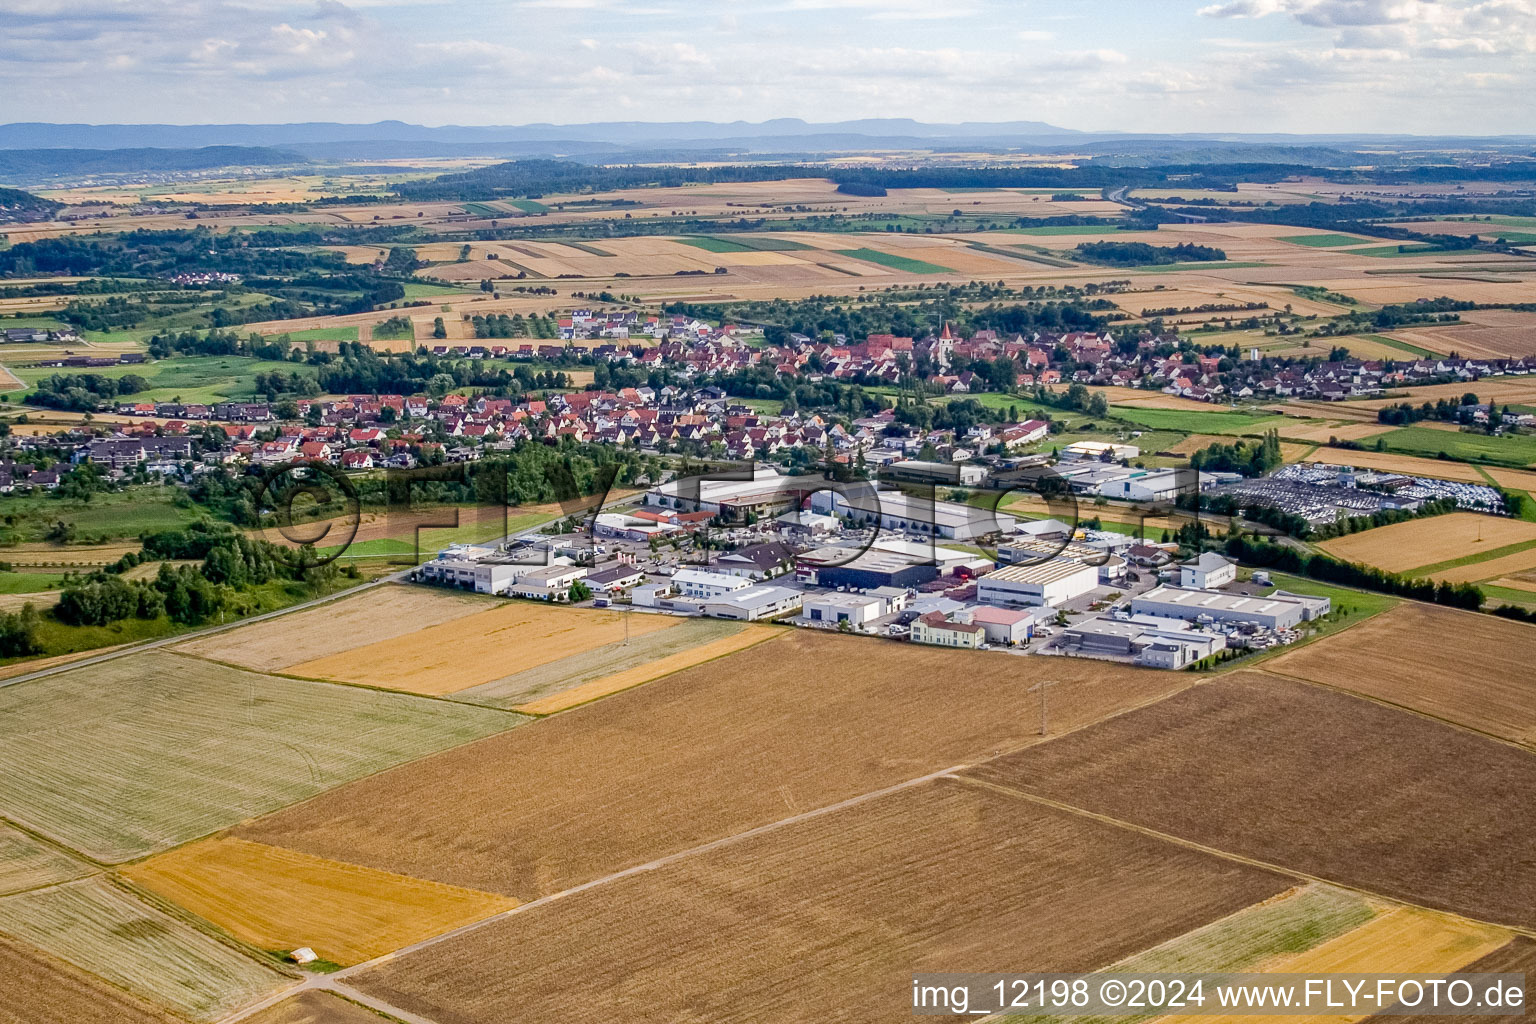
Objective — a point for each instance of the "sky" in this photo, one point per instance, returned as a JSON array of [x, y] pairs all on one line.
[[1301, 66]]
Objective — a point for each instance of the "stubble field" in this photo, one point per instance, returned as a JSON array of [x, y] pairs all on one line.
[[799, 723], [479, 648], [1312, 780], [343, 625], [278, 899], [1423, 657], [42, 990], [104, 930], [825, 919], [148, 751], [1429, 541]]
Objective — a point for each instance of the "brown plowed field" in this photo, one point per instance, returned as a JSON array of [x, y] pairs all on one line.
[[803, 722], [315, 1007], [826, 919], [1421, 657], [41, 990], [1321, 782]]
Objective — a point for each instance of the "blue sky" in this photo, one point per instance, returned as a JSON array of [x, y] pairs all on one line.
[[1158, 65]]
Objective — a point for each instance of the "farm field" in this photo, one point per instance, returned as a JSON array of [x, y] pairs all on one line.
[[1517, 956], [1513, 558], [1429, 541], [279, 900], [1516, 450], [27, 862], [478, 648], [1417, 655], [102, 929], [833, 911], [42, 990], [148, 751], [342, 625], [1404, 940], [784, 727], [598, 671], [315, 1007], [1306, 775]]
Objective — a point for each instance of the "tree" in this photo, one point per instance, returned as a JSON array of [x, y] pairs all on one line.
[[579, 592], [440, 384], [439, 329]]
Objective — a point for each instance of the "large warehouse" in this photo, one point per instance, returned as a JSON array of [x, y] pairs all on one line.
[[894, 510], [1048, 583], [1277, 611]]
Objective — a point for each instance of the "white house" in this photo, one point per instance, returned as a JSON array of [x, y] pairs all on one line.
[[854, 609], [548, 583], [1208, 572]]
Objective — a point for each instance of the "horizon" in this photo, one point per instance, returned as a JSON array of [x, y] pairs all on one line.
[[1278, 66]]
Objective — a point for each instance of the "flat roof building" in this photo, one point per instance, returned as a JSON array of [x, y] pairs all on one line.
[[1043, 583], [753, 603], [1277, 611], [893, 510]]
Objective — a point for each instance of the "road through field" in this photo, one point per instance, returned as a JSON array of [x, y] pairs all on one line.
[[341, 982]]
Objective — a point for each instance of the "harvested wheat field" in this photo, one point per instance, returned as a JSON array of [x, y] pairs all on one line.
[[1404, 940], [1422, 657], [803, 722], [1516, 957], [620, 681], [42, 990], [378, 614], [479, 648], [1516, 561], [1429, 541], [27, 862], [826, 919], [315, 1007], [599, 671], [148, 751], [279, 899], [1313, 781], [102, 929]]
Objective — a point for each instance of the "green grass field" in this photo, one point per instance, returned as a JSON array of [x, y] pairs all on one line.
[[29, 582], [1326, 241], [903, 263], [527, 205], [149, 751], [743, 243], [1064, 229], [1399, 344], [428, 290], [204, 379], [115, 515], [1196, 422], [1392, 252], [484, 210], [1509, 450], [324, 334]]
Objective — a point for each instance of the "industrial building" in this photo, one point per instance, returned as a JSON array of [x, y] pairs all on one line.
[[469, 574], [1208, 572], [547, 583], [766, 490], [705, 585], [1279, 610], [1151, 641], [854, 609], [1003, 625], [951, 473], [893, 510], [1043, 583], [753, 603]]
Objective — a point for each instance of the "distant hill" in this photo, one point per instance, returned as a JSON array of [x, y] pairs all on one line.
[[622, 134], [36, 165], [17, 206]]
